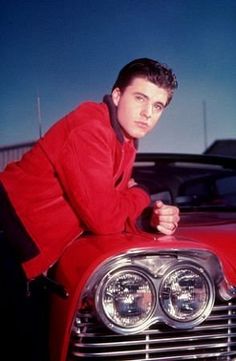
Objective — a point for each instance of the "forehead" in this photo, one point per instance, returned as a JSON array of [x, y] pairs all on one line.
[[147, 88]]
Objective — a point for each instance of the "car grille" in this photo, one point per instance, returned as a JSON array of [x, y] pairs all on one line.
[[214, 339]]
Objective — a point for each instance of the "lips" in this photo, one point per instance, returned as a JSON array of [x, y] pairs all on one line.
[[142, 125]]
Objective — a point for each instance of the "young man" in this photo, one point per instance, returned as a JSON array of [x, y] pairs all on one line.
[[77, 178]]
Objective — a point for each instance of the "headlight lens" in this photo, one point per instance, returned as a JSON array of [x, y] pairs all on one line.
[[186, 295], [125, 300]]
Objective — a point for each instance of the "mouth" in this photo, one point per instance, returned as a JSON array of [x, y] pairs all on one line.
[[142, 125]]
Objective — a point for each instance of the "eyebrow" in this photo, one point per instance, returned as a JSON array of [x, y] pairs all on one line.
[[147, 98]]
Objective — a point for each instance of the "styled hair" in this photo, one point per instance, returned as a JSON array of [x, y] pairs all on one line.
[[152, 70]]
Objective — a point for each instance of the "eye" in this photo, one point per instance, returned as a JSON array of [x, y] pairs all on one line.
[[139, 98], [158, 107]]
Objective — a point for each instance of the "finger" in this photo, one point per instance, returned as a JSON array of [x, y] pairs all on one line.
[[168, 225], [165, 230], [166, 210], [169, 219]]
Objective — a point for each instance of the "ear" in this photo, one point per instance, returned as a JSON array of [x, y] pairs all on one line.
[[116, 96]]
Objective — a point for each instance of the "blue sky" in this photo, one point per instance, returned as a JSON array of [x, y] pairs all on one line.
[[70, 51]]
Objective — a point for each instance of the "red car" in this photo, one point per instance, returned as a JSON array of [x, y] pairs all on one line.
[[153, 297]]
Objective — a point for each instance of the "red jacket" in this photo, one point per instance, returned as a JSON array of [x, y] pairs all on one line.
[[74, 179]]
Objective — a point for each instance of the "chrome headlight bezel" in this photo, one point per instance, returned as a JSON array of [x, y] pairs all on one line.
[[155, 268], [198, 295], [134, 305]]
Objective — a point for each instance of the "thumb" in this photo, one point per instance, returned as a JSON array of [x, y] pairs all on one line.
[[159, 204]]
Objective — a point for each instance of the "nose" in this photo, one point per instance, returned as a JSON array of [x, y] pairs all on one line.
[[147, 111]]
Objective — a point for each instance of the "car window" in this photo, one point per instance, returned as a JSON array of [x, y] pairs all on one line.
[[164, 196], [226, 185], [226, 188], [189, 186]]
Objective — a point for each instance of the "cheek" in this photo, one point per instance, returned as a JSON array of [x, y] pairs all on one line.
[[124, 112]]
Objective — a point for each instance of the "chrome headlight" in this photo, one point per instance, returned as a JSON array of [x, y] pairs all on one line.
[[125, 300], [186, 296]]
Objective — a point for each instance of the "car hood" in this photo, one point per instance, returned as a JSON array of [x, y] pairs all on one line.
[[211, 232], [215, 231]]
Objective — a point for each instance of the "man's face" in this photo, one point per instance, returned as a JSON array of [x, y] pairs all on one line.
[[139, 107]]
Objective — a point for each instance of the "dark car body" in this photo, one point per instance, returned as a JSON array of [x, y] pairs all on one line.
[[147, 296]]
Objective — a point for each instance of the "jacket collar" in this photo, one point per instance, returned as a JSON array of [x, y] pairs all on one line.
[[107, 99]]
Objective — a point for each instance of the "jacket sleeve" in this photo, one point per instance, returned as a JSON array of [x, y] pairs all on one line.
[[86, 171]]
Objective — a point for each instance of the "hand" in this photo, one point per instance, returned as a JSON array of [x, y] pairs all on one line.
[[132, 183], [165, 218]]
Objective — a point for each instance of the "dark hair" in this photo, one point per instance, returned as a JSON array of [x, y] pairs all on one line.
[[152, 70]]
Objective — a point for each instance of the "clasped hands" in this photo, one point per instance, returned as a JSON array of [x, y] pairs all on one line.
[[165, 218]]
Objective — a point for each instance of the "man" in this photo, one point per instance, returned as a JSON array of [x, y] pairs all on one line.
[[77, 178]]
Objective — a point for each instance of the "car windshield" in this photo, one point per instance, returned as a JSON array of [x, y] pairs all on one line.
[[189, 184]]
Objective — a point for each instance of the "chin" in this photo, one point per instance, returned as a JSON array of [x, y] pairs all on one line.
[[140, 135]]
